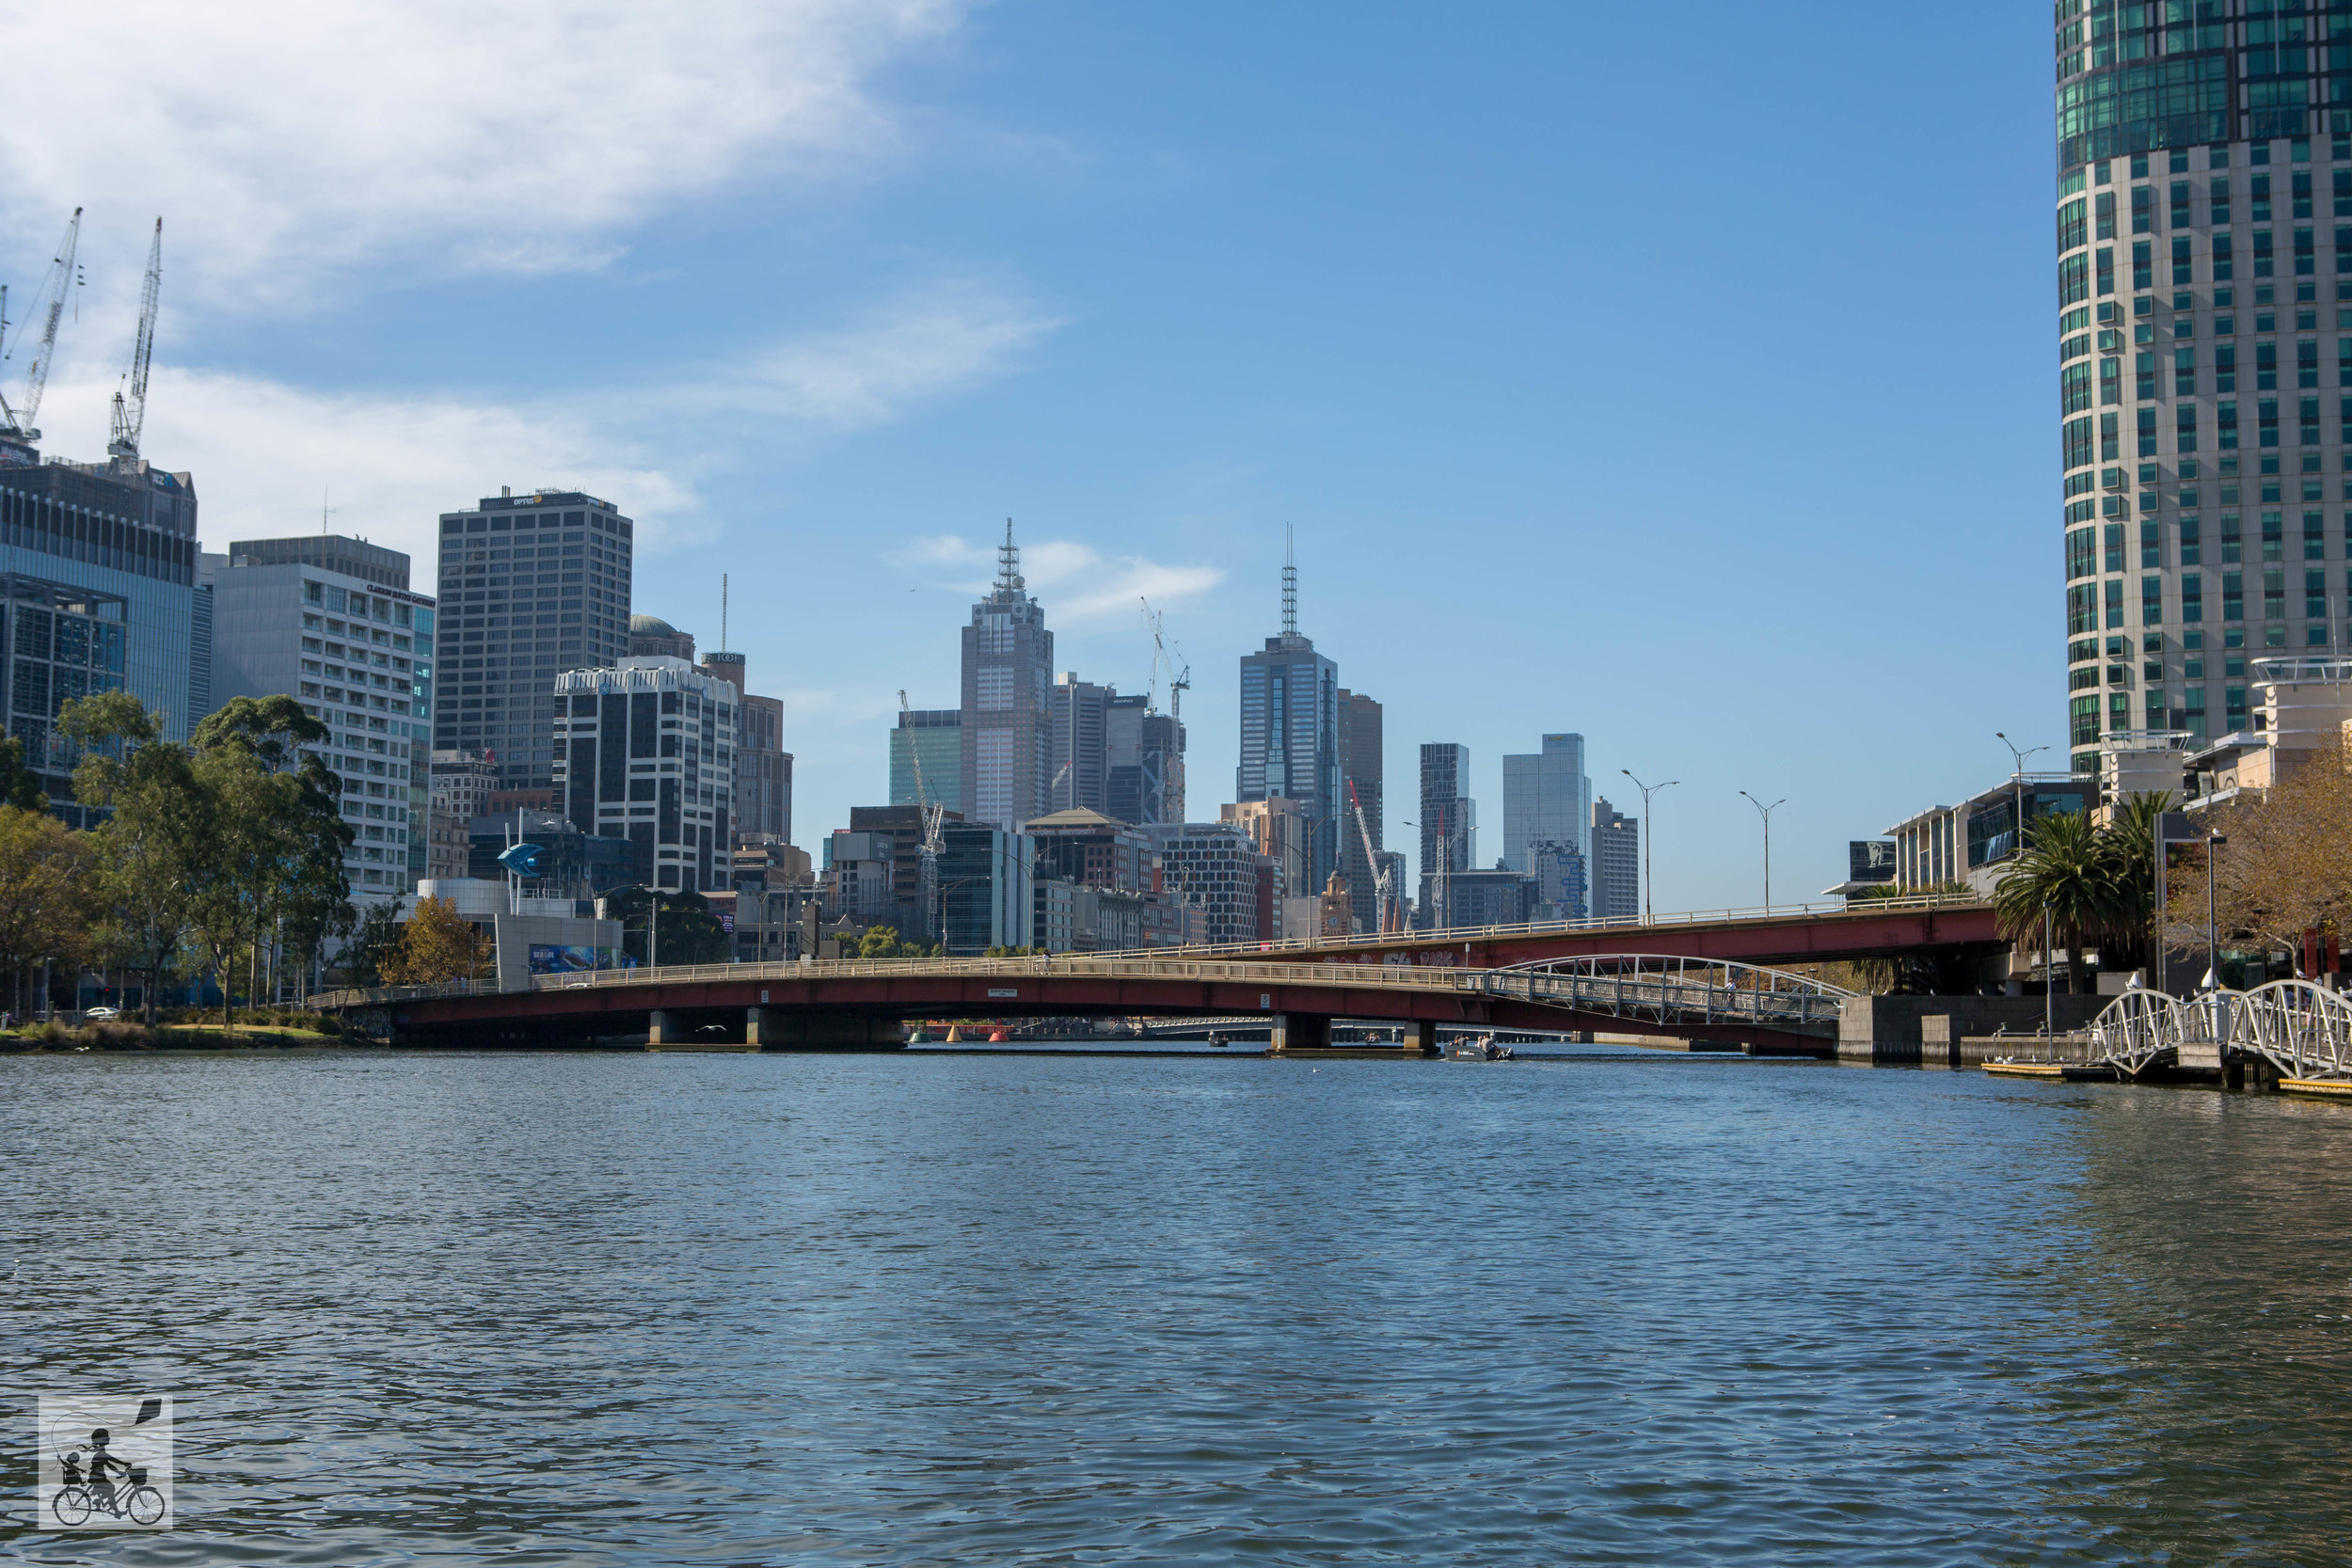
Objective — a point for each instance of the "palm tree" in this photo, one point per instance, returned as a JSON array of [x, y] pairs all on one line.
[[2072, 869], [2131, 839]]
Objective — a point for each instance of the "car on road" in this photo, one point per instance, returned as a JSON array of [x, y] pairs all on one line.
[[102, 1015]]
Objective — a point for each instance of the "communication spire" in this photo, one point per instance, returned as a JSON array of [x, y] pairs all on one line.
[[1008, 579], [131, 397], [1290, 583]]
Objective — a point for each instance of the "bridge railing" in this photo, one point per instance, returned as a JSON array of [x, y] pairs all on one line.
[[1457, 935], [1150, 964]]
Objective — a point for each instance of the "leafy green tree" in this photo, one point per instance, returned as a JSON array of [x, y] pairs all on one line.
[[274, 834], [46, 903], [153, 833], [373, 946], [2074, 871], [688, 933], [20, 786]]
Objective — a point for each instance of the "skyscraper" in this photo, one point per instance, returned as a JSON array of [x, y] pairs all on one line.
[[1447, 811], [1546, 798], [531, 585], [1615, 864], [1289, 730], [1080, 759], [1008, 730], [763, 769], [2202, 442], [931, 737], [1362, 783], [1143, 771]]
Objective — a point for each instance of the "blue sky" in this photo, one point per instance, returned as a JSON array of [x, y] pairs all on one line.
[[1679, 377]]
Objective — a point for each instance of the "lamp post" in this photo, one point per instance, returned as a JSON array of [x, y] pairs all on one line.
[[2049, 984], [2213, 926], [1766, 812], [1649, 838], [2018, 776]]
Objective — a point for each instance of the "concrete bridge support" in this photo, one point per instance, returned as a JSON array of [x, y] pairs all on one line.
[[1299, 1032], [779, 1029]]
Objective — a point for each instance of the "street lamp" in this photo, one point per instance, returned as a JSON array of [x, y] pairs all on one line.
[[2213, 926], [1766, 812], [1649, 838], [2049, 984], [2018, 828]]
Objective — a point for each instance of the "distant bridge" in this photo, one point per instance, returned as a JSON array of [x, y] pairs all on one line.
[[864, 1005]]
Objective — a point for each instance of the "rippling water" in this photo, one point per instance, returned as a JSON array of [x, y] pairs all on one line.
[[629, 1308]]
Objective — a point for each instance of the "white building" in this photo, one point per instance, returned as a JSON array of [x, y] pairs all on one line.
[[330, 622], [645, 752]]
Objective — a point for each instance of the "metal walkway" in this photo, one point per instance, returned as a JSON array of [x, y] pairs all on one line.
[[2301, 1029], [1683, 993]]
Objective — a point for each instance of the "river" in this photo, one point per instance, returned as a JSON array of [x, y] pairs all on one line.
[[1626, 1307]]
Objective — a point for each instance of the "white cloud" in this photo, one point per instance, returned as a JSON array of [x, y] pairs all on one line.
[[261, 449], [1082, 584], [286, 141]]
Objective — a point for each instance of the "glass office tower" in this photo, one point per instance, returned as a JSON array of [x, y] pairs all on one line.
[[2204, 284]]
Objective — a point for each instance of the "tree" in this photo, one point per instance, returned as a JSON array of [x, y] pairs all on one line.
[[45, 894], [437, 944], [275, 833], [2068, 869], [2130, 838], [375, 946], [20, 786], [689, 932], [153, 833], [2287, 866]]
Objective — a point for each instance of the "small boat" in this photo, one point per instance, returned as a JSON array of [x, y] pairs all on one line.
[[1482, 1049], [1217, 1037]]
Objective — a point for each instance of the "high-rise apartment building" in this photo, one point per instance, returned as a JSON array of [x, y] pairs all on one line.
[[1215, 871], [1449, 817], [1615, 865], [648, 755], [1008, 729], [98, 589], [330, 622], [531, 585], [1290, 731], [2204, 276], [1546, 798], [934, 738], [1361, 776]]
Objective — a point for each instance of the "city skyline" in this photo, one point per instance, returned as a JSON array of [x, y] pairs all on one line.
[[1015, 268]]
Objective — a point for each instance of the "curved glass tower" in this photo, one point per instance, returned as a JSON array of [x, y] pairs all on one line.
[[2204, 281]]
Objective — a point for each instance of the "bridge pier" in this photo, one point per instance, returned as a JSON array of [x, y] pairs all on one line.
[[659, 1030], [788, 1029], [1299, 1032]]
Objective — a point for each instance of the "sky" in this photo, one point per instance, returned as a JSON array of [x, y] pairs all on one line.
[[1682, 379]]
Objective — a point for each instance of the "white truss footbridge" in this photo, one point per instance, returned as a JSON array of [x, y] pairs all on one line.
[[2303, 1030]]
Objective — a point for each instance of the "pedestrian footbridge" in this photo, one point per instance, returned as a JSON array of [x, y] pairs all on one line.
[[2303, 1031]]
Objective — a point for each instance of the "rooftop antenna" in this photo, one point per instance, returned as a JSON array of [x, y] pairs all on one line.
[[1008, 579], [1290, 582], [722, 609]]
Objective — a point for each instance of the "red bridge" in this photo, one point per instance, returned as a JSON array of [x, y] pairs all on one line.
[[1695, 977]]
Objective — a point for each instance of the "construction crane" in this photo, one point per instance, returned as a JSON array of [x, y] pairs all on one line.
[[1383, 879], [1160, 660], [131, 397], [49, 305], [931, 817]]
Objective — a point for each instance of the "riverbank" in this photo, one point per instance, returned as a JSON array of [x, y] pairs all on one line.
[[176, 1036]]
